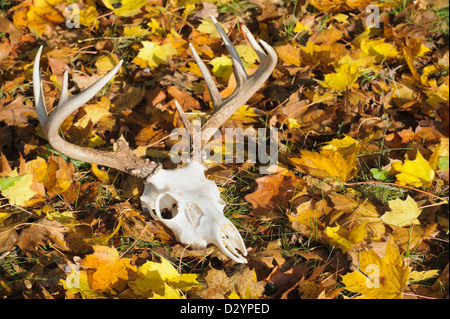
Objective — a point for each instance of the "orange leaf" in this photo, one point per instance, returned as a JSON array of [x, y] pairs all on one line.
[[274, 192]]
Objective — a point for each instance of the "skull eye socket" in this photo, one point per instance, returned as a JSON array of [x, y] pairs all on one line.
[[168, 207]]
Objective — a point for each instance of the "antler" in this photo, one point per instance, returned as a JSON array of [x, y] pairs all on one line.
[[122, 159], [246, 85]]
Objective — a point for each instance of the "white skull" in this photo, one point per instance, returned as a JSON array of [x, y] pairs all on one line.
[[195, 207]]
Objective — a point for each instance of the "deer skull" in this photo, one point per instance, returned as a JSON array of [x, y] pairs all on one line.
[[190, 205], [183, 199]]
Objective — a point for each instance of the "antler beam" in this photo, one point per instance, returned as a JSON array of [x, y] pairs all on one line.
[[122, 159]]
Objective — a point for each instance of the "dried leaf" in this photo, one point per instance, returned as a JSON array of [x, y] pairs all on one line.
[[417, 173], [403, 213], [20, 191], [327, 164], [386, 277], [125, 8], [152, 54], [274, 192], [346, 239], [243, 284]]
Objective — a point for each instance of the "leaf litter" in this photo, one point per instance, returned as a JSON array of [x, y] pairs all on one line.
[[358, 207]]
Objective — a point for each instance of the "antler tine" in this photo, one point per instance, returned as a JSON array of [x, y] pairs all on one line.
[[238, 67], [39, 91], [122, 159], [246, 85], [212, 88], [187, 124]]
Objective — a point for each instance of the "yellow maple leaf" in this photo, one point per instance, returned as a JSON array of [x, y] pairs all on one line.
[[245, 113], [289, 54], [20, 191], [135, 31], [347, 72], [247, 54], [95, 141], [378, 277], [104, 176], [413, 49], [378, 49], [341, 18], [305, 214], [89, 14], [427, 72], [222, 67], [416, 173], [125, 8], [346, 239], [403, 212], [357, 212], [37, 16], [156, 27], [169, 293], [300, 27], [346, 146], [328, 164], [77, 283], [99, 114], [156, 278], [207, 26], [106, 62], [443, 150], [437, 94], [153, 54]]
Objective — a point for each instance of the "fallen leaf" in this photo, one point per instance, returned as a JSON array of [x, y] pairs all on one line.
[[417, 173], [379, 49], [274, 192], [16, 112], [107, 273], [385, 277], [38, 16], [207, 26], [152, 54], [77, 282], [97, 114], [347, 72], [125, 8], [106, 63], [135, 31], [284, 279], [402, 213], [243, 284], [163, 280], [346, 239], [353, 212], [8, 239], [289, 54], [327, 164], [307, 213], [423, 275], [410, 238], [222, 67], [40, 233], [20, 191]]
